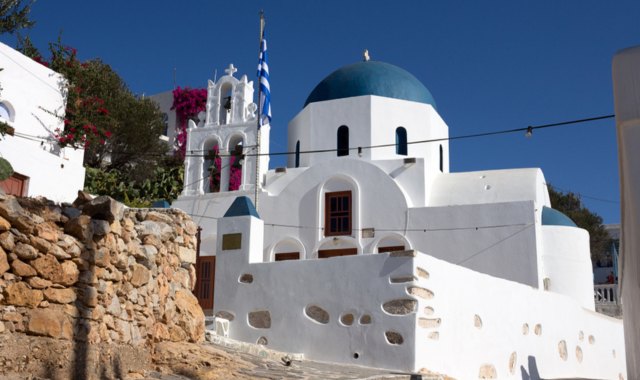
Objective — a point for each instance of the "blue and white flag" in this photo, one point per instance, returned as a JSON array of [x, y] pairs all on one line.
[[265, 91]]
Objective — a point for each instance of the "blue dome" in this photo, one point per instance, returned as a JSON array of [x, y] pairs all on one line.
[[371, 78], [553, 217]]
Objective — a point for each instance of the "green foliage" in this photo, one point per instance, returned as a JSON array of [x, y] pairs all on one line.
[[164, 182], [117, 129], [6, 170], [571, 205], [14, 15]]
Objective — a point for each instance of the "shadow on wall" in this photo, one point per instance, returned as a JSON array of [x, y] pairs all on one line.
[[533, 370]]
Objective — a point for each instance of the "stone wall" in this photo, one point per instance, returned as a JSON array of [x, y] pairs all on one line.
[[96, 272]]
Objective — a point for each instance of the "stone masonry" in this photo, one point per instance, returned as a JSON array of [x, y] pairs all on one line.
[[97, 272]]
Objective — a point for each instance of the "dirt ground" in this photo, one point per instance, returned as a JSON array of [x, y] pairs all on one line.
[[31, 357]]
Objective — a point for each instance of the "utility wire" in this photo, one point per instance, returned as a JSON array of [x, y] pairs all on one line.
[[451, 138]]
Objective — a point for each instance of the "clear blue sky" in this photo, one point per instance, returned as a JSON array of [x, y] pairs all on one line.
[[490, 65]]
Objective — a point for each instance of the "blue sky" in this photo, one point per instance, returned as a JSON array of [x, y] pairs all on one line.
[[490, 65]]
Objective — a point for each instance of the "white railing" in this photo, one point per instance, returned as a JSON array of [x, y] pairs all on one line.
[[606, 294]]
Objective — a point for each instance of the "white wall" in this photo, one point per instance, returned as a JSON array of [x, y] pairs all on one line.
[[164, 100], [566, 262], [626, 87], [497, 238], [441, 334], [372, 120], [35, 94]]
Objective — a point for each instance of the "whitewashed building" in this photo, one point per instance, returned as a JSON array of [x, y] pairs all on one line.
[[32, 103], [366, 250]]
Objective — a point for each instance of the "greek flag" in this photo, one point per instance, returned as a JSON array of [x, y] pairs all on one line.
[[265, 92]]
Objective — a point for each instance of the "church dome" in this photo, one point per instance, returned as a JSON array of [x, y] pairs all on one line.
[[371, 78]]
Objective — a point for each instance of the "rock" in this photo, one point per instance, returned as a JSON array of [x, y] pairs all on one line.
[[49, 268], [21, 269], [79, 228], [25, 252], [190, 316], [152, 240], [4, 264], [52, 323], [100, 257], [159, 217], [100, 227], [192, 277], [159, 332], [48, 231], [59, 253], [38, 283], [114, 307], [190, 227], [82, 199], [71, 212], [60, 295], [139, 275], [89, 296], [187, 255], [19, 294], [7, 241], [11, 210], [40, 244], [149, 227], [104, 208], [4, 224], [70, 273]]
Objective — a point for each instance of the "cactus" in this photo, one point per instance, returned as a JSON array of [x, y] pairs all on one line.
[[5, 169]]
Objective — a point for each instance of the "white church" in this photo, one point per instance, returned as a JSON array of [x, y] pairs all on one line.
[[366, 250]]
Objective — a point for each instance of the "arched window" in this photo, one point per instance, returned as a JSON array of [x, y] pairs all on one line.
[[401, 141], [298, 154], [236, 160], [441, 161], [343, 141], [226, 91], [5, 112], [212, 167]]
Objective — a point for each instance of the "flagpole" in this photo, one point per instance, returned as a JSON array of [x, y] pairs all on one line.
[[255, 197]]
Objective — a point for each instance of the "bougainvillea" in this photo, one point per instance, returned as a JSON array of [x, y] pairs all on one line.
[[86, 119], [188, 103], [214, 162]]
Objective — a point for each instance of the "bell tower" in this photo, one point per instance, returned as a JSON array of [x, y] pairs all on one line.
[[222, 153]]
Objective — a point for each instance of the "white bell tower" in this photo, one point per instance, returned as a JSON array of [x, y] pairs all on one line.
[[222, 153]]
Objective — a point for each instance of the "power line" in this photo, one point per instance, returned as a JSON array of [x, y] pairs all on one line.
[[328, 150], [583, 195]]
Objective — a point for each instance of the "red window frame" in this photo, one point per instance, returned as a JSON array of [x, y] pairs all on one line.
[[337, 213]]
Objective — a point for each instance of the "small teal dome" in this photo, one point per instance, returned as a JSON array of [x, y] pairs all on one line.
[[552, 217], [371, 78]]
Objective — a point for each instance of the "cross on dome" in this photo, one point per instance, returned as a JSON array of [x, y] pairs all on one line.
[[230, 70]]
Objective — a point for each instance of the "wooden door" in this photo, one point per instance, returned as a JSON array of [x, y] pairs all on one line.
[[327, 253], [15, 185], [287, 256], [205, 281]]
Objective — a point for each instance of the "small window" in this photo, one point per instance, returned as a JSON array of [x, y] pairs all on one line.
[[337, 211], [284, 256], [343, 141], [401, 141], [165, 123], [441, 160], [5, 112], [298, 154]]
